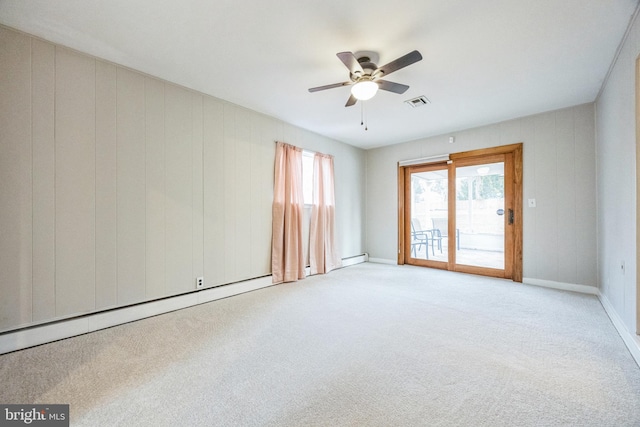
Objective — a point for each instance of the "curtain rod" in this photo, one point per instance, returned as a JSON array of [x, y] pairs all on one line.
[[307, 150]]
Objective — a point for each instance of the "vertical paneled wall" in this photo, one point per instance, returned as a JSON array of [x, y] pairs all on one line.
[[106, 186], [75, 164], [130, 186], [16, 181], [43, 176], [618, 189], [155, 194], [178, 222], [117, 187], [214, 243]]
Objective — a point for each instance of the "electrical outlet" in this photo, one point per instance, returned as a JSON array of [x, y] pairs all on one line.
[[532, 203], [199, 282]]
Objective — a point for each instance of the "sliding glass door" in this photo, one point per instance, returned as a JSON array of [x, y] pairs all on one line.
[[462, 214], [482, 215], [427, 214]]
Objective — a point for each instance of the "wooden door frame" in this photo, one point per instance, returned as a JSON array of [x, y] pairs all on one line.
[[516, 179]]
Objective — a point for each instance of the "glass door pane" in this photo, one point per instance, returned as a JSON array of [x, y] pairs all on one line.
[[429, 209], [480, 215]]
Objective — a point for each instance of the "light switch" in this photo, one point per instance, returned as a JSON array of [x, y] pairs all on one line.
[[532, 203]]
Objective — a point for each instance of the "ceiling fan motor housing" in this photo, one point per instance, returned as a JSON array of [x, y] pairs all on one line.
[[367, 66]]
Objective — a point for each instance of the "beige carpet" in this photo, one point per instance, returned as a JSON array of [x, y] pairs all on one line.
[[366, 345]]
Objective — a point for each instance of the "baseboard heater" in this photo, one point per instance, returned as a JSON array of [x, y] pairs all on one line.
[[56, 330]]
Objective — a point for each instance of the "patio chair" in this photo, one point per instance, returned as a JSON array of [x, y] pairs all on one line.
[[441, 228], [421, 237]]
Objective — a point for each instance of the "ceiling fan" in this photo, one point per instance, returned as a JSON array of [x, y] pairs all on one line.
[[366, 78]]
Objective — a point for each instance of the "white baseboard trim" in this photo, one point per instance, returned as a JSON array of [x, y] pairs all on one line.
[[58, 330], [632, 341], [383, 261], [346, 262], [66, 328], [358, 259], [583, 289]]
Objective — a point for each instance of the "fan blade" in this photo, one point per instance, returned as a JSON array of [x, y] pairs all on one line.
[[351, 62], [352, 100], [391, 86], [316, 89], [399, 63]]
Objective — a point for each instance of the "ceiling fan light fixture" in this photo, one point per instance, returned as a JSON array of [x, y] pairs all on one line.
[[364, 90]]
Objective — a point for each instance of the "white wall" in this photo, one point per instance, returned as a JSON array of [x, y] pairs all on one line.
[[117, 187], [617, 214], [559, 172]]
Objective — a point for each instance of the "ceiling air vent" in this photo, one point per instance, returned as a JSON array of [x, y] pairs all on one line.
[[418, 102]]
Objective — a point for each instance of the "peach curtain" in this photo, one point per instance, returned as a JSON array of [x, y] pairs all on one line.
[[323, 255], [287, 261]]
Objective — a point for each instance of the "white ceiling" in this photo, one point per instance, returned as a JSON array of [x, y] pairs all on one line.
[[484, 60]]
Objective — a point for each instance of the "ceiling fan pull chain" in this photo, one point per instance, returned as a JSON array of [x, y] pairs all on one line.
[[363, 116], [366, 126]]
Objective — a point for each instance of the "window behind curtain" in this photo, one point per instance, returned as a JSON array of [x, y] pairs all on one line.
[[307, 177]]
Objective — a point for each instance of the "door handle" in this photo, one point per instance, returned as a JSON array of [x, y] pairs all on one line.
[[510, 216]]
